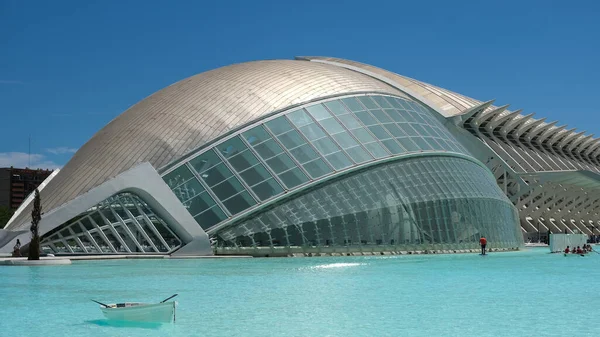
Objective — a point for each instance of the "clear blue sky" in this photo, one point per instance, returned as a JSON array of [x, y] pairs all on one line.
[[68, 67]]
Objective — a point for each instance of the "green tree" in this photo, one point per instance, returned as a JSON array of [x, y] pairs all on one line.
[[36, 216], [5, 215]]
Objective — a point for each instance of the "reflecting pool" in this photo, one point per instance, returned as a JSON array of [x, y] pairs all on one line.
[[529, 292]]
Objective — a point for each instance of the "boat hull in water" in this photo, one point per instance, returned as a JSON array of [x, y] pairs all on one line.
[[141, 312], [571, 254]]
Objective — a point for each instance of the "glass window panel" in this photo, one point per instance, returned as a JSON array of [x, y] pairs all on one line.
[[437, 133], [436, 143], [122, 231], [413, 106], [299, 118], [167, 235], [381, 101], [291, 139], [339, 160], [243, 161], [104, 247], [155, 240], [293, 178], [408, 144], [210, 217], [116, 243], [368, 102], [281, 163], [353, 104], [205, 161], [231, 147], [216, 174], [87, 244], [60, 246], [423, 145], [381, 116], [420, 107], [267, 189], [256, 135], [331, 125], [404, 104], [379, 132], [117, 208], [130, 203], [453, 146], [312, 131], [363, 135], [228, 188], [394, 130], [98, 219], [326, 146], [336, 107], [87, 224], [279, 125], [345, 140], [317, 168], [76, 228], [268, 149], [366, 118], [457, 147], [200, 203], [109, 215], [396, 116], [137, 234], [429, 119], [350, 121], [255, 175], [408, 130], [239, 202], [417, 116], [358, 154], [178, 176], [422, 131], [318, 111], [394, 102], [391, 145], [408, 116], [187, 191], [304, 153]]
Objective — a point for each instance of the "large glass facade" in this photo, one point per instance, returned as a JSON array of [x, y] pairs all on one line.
[[300, 146], [121, 224], [436, 202]]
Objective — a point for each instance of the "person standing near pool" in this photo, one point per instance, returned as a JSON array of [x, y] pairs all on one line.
[[483, 243], [17, 249]]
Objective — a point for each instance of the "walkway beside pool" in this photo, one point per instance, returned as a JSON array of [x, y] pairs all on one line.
[[7, 260]]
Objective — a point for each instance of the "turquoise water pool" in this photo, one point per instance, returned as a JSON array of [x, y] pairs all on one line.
[[504, 294]]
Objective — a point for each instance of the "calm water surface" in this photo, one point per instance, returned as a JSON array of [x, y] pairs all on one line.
[[504, 294]]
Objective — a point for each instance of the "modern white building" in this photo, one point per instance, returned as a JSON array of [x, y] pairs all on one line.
[[315, 155]]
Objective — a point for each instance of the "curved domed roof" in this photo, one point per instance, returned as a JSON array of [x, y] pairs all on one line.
[[189, 113], [447, 102]]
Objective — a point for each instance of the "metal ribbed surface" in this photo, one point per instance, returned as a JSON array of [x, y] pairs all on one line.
[[447, 101], [192, 112]]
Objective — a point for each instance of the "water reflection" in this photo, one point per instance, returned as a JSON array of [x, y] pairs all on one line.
[[337, 265], [125, 324]]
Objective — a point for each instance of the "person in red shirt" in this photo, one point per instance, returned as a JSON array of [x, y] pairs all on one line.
[[483, 243], [567, 250], [579, 251]]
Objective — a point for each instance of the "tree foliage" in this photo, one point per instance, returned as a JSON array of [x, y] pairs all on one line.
[[5, 214], [36, 216]]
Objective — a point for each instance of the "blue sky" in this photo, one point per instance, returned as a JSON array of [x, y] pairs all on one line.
[[68, 67]]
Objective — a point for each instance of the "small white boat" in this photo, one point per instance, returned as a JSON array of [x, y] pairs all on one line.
[[162, 312]]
